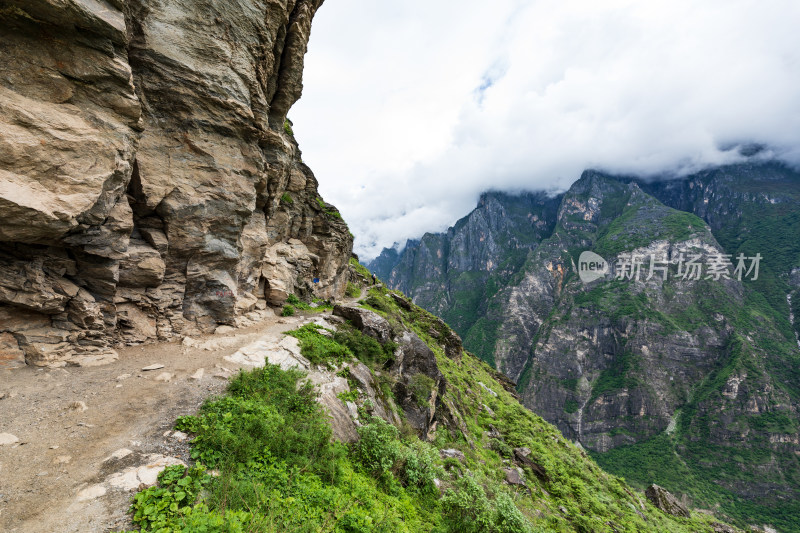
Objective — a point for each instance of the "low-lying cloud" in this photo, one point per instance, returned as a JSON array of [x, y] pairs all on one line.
[[411, 109]]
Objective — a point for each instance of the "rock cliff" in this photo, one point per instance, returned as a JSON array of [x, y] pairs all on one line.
[[691, 383], [150, 182]]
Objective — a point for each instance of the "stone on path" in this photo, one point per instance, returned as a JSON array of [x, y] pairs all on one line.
[[7, 439]]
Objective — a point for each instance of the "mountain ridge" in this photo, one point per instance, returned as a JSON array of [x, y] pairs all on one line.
[[620, 364]]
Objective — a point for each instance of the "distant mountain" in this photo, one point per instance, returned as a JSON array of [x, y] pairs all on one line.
[[691, 383]]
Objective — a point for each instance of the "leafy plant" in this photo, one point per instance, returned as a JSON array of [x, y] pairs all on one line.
[[288, 310], [319, 348], [352, 290], [421, 387]]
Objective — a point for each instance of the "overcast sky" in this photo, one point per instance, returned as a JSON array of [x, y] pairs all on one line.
[[412, 108]]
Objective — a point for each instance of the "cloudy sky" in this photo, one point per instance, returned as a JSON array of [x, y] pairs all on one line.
[[412, 108]]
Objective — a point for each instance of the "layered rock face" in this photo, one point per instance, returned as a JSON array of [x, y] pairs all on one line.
[[150, 184]]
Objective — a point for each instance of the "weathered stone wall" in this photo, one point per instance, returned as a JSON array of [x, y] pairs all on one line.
[[148, 185]]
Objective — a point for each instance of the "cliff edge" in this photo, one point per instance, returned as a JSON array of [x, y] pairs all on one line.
[[150, 183]]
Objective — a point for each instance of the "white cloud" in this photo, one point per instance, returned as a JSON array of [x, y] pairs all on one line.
[[413, 108]]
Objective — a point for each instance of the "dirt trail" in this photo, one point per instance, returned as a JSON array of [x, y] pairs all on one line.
[[64, 450]]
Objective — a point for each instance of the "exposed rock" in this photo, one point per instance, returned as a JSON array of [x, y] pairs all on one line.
[[91, 493], [451, 453], [415, 362], [723, 528], [513, 477], [666, 501], [131, 211], [198, 375], [147, 474], [156, 366], [369, 322], [78, 406], [6, 439], [11, 355], [522, 458], [166, 377], [141, 267]]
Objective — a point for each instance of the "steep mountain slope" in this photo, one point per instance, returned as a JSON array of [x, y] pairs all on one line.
[[437, 443], [639, 370], [456, 274], [150, 183]]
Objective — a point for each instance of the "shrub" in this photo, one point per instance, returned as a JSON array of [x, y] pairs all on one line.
[[378, 447], [287, 199], [292, 299], [365, 348], [419, 466], [319, 348], [288, 310], [501, 448], [469, 510], [421, 387], [352, 290], [265, 418]]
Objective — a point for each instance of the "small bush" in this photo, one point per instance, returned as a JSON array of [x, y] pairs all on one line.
[[319, 348], [501, 448], [365, 348], [468, 509], [352, 290], [378, 302], [419, 466], [378, 447], [421, 387], [292, 299], [288, 310], [287, 199]]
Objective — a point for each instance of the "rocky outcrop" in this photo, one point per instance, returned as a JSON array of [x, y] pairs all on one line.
[[150, 183], [665, 501], [369, 322]]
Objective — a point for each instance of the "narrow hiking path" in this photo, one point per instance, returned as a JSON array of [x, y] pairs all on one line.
[[87, 437]]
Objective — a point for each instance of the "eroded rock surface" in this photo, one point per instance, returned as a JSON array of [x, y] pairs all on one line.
[[666, 501], [150, 184]]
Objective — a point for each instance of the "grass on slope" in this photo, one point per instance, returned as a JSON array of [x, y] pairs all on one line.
[[275, 468]]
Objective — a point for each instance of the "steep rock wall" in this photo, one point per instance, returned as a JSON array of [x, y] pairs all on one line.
[[150, 183]]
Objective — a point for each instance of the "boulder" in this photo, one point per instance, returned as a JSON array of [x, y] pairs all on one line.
[[368, 322], [522, 458], [513, 477], [665, 501], [11, 355], [142, 266]]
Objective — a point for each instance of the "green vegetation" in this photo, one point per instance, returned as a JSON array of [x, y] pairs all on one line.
[[421, 388], [319, 348], [277, 469], [365, 348], [328, 209], [360, 269], [615, 377], [287, 127], [352, 290], [287, 199], [288, 310]]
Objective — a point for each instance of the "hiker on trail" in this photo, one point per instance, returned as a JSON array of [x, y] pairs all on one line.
[[374, 278]]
